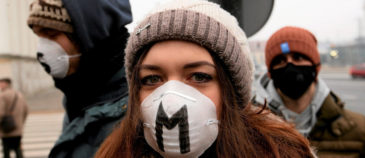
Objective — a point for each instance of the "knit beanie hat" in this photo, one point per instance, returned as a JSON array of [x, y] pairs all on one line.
[[50, 14], [201, 22], [292, 39]]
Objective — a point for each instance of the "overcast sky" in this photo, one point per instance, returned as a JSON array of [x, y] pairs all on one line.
[[330, 20]]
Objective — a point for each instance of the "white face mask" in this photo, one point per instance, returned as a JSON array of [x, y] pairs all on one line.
[[179, 121], [53, 58]]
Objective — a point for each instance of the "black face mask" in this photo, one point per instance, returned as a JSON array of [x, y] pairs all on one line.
[[293, 80]]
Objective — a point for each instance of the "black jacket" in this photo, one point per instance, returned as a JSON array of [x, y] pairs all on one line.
[[96, 93]]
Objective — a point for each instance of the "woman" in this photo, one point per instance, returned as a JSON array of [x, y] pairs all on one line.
[[190, 76]]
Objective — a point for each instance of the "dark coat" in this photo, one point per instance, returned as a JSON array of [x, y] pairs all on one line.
[[19, 113], [83, 135], [338, 132], [96, 94]]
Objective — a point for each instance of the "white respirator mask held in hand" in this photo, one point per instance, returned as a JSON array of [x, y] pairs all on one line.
[[53, 58], [179, 121]]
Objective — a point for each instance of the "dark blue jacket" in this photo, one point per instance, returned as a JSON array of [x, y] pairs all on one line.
[[96, 95]]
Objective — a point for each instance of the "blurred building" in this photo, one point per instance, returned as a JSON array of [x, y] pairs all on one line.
[[258, 51], [18, 47], [350, 54], [346, 54]]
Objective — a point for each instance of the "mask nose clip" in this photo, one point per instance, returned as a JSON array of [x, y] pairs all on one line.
[[175, 93]]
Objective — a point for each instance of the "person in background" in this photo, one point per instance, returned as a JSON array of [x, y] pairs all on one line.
[[12, 103], [81, 45], [190, 72], [294, 91]]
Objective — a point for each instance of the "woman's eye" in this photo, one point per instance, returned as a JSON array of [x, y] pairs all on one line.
[[151, 80], [201, 77]]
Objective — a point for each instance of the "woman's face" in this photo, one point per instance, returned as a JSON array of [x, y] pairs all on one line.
[[182, 61]]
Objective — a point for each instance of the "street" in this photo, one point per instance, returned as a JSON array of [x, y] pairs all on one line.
[[40, 133], [351, 91]]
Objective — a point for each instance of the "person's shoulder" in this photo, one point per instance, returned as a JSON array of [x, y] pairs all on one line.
[[342, 121], [355, 115], [7, 92], [351, 116], [356, 120], [114, 109], [345, 135], [282, 133], [349, 125]]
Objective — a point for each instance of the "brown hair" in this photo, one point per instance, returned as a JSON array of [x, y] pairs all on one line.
[[243, 132], [6, 80]]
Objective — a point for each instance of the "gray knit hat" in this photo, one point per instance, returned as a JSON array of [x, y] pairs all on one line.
[[201, 22], [50, 14]]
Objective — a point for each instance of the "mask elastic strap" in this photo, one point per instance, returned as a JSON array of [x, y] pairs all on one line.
[[68, 56], [74, 56], [212, 121], [147, 125]]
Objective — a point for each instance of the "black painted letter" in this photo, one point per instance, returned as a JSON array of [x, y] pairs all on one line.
[[181, 118]]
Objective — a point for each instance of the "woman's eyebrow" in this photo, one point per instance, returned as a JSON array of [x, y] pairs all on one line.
[[197, 64], [149, 67]]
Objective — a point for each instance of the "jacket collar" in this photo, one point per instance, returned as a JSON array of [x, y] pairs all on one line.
[[83, 92], [97, 114], [330, 110], [266, 90], [332, 118]]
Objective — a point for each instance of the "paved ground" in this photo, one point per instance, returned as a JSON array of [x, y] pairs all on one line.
[[43, 125], [351, 91], [41, 132], [48, 100]]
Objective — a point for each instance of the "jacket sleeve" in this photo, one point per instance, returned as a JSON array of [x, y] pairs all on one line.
[[2, 107], [25, 112]]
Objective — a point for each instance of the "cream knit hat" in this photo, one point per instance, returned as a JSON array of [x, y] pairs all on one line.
[[201, 22], [50, 14]]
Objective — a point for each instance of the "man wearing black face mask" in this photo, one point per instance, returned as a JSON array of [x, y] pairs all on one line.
[[294, 91]]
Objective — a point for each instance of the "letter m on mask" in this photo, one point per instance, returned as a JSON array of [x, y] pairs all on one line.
[[180, 118]]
